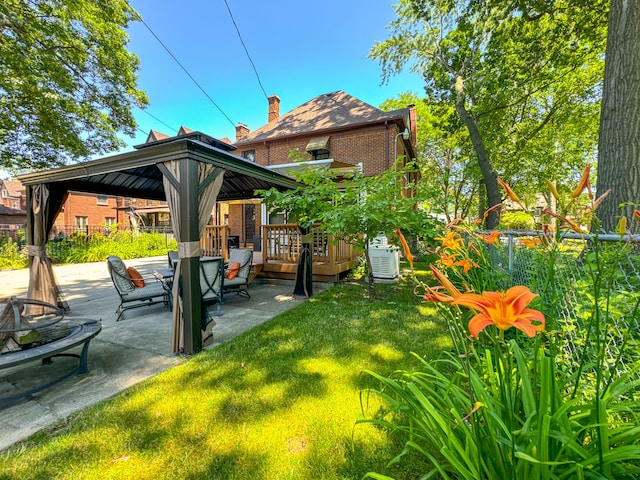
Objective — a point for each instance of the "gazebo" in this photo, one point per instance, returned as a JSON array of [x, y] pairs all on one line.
[[191, 172]]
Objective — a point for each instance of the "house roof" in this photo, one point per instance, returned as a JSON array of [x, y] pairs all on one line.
[[136, 174], [14, 188], [11, 211], [325, 112]]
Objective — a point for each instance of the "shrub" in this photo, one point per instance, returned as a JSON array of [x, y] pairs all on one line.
[[516, 221]]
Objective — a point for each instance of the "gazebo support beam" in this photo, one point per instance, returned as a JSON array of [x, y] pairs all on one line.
[[192, 307]]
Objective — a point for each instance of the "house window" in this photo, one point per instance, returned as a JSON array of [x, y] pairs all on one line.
[[249, 155], [5, 193], [319, 148], [321, 154], [82, 222], [102, 200], [109, 221]]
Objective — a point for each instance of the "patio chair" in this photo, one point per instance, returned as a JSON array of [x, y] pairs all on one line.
[[239, 283], [134, 290], [172, 256], [211, 286]]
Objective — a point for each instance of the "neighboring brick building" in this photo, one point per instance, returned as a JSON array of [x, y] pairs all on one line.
[[12, 194]]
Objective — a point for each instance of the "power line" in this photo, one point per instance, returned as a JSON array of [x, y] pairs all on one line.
[[186, 71], [158, 120], [245, 48]]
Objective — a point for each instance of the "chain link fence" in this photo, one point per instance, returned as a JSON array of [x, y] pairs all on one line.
[[590, 288]]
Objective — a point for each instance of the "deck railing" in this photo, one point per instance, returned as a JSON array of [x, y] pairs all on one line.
[[283, 243], [214, 241]]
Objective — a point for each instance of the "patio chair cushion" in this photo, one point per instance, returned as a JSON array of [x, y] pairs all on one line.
[[243, 257], [153, 289], [233, 270], [121, 280], [135, 277]]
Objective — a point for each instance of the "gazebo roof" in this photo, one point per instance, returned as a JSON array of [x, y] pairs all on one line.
[[136, 174]]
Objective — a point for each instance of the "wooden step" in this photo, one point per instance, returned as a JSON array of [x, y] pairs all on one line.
[[256, 268]]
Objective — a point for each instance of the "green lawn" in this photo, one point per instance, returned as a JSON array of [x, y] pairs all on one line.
[[279, 402]]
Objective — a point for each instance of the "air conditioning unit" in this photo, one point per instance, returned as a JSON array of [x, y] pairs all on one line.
[[385, 261]]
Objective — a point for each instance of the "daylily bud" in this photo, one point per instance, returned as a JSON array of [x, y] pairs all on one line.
[[553, 190], [622, 226], [510, 193], [584, 181]]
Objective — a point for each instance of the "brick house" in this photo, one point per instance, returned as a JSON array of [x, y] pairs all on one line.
[[12, 194], [336, 128]]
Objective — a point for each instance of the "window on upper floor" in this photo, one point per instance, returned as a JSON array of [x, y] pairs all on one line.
[[5, 193], [102, 200], [321, 154], [319, 148], [249, 155]]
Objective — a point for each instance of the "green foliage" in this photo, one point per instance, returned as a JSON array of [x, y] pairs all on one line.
[[562, 404], [97, 247], [354, 208], [523, 77], [11, 255], [516, 221], [504, 414], [67, 82], [445, 156]]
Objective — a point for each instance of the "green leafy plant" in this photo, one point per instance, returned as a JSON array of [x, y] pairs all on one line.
[[514, 406], [516, 221]]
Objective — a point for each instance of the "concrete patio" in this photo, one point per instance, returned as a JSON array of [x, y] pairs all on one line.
[[124, 353]]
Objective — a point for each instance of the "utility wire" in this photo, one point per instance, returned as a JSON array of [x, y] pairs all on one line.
[[245, 48], [158, 120], [186, 71]]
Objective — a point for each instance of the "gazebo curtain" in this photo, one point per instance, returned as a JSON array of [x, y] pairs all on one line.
[[42, 282], [209, 183]]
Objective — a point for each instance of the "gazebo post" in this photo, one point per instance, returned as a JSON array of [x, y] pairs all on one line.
[[192, 308]]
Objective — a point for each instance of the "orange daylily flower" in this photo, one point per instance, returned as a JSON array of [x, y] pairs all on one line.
[[636, 213], [405, 247], [510, 193], [452, 240], [492, 238], [583, 183], [530, 242], [466, 264], [447, 260], [503, 309]]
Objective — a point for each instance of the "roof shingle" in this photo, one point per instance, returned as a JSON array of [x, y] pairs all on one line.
[[324, 112]]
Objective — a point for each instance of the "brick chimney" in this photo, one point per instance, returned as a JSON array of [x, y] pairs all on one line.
[[274, 107], [413, 123], [241, 131]]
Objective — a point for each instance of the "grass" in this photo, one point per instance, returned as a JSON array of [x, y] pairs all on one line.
[[278, 402]]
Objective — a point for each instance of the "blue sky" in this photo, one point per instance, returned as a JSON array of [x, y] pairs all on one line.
[[300, 48]]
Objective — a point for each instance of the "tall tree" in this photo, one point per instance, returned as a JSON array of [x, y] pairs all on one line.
[[445, 156], [67, 82], [619, 144], [507, 68]]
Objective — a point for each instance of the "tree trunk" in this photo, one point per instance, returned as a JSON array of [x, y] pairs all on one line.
[[489, 176], [372, 287], [619, 142]]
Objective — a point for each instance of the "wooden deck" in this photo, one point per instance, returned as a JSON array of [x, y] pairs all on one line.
[[280, 250]]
